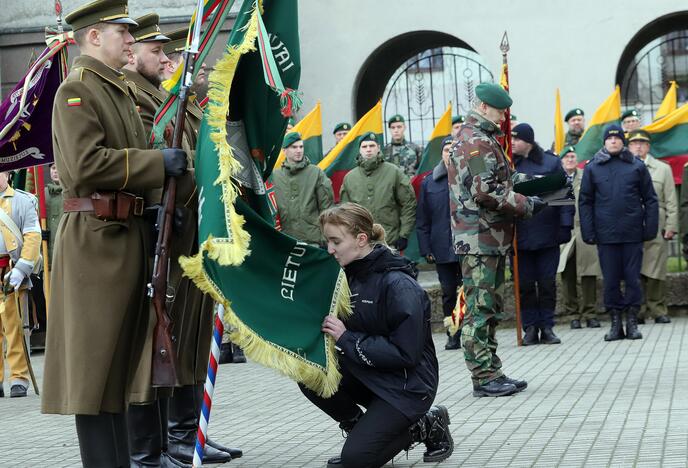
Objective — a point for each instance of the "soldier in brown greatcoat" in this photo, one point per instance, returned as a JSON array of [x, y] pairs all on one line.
[[99, 309]]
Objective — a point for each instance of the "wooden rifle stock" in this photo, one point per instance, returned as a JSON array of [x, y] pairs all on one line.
[[163, 370]]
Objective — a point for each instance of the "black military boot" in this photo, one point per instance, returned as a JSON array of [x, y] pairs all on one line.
[[238, 355], [233, 452], [145, 438], [575, 324], [182, 426], [662, 319], [346, 426], [519, 384], [495, 388], [592, 323], [226, 356], [547, 336], [453, 342], [433, 431], [632, 332], [103, 440], [531, 336], [616, 330]]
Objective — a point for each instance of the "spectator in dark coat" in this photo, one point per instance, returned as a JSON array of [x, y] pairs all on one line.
[[618, 211], [538, 242], [433, 229]]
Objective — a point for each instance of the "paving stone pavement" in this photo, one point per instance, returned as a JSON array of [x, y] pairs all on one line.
[[588, 403]]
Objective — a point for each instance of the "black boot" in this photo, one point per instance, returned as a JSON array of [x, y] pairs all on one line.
[[103, 440], [616, 330], [346, 426], [145, 438], [453, 342], [182, 427], [238, 353], [226, 353], [632, 332], [662, 319], [531, 336], [519, 384], [547, 336], [433, 431], [495, 388], [592, 323], [233, 452]]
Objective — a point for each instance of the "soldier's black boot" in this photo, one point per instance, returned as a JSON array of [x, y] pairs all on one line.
[[198, 401], [346, 426], [495, 388], [616, 330], [433, 431], [531, 336], [453, 342], [632, 332], [226, 356], [238, 355], [103, 440], [145, 438], [182, 426], [547, 336]]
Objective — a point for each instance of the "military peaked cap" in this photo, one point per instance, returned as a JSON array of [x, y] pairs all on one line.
[[638, 135], [630, 113], [395, 119], [341, 127], [493, 95], [447, 141], [370, 136], [148, 29], [291, 138], [458, 119], [177, 41], [100, 11], [573, 113], [513, 117]]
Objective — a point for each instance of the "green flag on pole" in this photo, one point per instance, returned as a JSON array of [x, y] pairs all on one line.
[[275, 289]]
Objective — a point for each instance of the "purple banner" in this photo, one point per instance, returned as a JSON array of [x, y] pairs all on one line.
[[29, 140]]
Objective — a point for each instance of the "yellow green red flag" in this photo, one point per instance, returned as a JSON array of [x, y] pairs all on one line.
[[668, 104], [669, 140], [310, 129], [608, 113]]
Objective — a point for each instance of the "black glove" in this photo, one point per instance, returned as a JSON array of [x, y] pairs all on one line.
[[401, 244], [45, 235], [538, 204], [175, 161]]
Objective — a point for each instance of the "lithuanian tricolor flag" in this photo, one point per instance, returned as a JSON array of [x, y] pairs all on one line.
[[310, 129], [432, 154], [559, 133], [670, 140], [668, 104], [342, 158], [608, 113]]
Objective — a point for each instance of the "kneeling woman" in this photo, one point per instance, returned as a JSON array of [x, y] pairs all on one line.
[[386, 353]]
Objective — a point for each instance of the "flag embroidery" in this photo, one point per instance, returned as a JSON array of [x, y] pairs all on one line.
[[74, 102]]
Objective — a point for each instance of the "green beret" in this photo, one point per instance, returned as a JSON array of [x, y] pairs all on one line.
[[148, 29], [291, 121], [573, 113], [291, 138], [458, 119], [370, 136], [566, 150], [493, 95], [395, 119], [341, 126], [177, 41], [630, 113], [638, 135], [100, 11], [513, 117]]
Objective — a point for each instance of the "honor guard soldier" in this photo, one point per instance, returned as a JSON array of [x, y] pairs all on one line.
[[575, 119], [618, 212], [400, 152], [457, 121], [20, 241], [384, 190], [656, 251], [630, 120], [98, 314], [303, 191], [484, 208], [578, 261], [341, 130], [538, 242]]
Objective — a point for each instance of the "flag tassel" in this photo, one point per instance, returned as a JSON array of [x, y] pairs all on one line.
[[289, 102]]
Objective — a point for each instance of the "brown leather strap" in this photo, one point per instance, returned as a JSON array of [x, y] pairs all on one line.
[[77, 204]]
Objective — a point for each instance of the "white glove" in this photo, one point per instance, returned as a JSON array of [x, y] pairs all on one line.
[[15, 277]]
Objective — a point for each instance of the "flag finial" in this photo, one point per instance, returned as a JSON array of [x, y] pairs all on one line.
[[504, 46]]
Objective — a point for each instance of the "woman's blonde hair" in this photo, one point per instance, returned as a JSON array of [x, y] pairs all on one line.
[[355, 219]]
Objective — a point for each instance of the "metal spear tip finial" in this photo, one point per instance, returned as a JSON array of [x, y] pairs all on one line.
[[504, 46]]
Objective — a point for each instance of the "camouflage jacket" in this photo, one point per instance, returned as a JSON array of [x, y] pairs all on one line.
[[482, 201], [571, 138], [405, 155]]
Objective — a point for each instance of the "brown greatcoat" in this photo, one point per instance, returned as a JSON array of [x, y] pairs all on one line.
[[587, 262], [191, 310], [98, 302]]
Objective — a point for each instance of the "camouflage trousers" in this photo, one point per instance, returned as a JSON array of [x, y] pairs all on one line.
[[483, 285]]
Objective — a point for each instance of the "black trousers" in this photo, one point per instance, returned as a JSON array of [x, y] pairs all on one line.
[[621, 262], [538, 286], [450, 278], [380, 434]]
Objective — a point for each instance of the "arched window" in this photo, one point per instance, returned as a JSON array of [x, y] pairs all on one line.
[[657, 55]]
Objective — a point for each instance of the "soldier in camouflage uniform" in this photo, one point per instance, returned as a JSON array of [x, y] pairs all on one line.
[[400, 152], [575, 119], [483, 209]]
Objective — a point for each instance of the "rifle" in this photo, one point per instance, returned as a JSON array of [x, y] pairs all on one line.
[[163, 370]]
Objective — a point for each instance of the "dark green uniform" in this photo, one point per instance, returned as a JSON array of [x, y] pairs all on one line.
[[405, 155]]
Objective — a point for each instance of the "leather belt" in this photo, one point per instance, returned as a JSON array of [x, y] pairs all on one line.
[[107, 205], [77, 204]]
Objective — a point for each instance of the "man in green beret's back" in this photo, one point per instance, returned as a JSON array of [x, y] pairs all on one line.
[[483, 207], [400, 152], [303, 191]]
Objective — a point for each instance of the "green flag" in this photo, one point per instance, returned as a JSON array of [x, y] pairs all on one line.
[[276, 290]]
